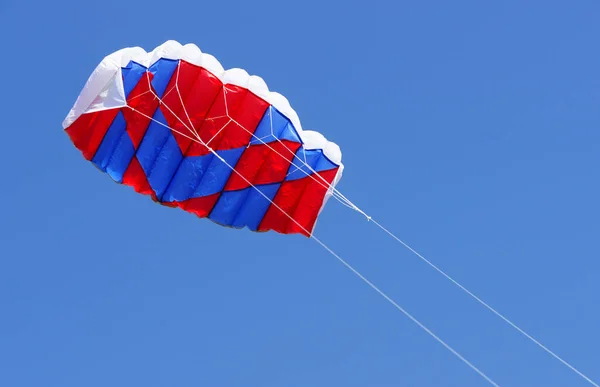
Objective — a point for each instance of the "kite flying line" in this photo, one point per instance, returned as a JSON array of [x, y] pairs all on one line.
[[342, 199], [197, 139], [346, 202]]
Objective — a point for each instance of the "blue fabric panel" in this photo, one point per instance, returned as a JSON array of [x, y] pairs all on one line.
[[131, 65], [155, 137], [289, 133], [165, 166], [159, 154], [263, 130], [131, 76], [109, 142], [163, 70], [254, 206], [228, 205], [187, 178], [324, 164], [121, 158], [314, 158], [125, 70], [299, 169], [217, 173]]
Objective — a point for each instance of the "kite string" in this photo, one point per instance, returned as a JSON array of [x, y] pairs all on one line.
[[342, 199], [486, 305], [339, 258], [363, 278], [407, 314]]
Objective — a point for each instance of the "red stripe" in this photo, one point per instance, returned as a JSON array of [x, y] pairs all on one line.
[[197, 89], [215, 119], [135, 177], [233, 118], [300, 199], [247, 113], [263, 164], [250, 110], [88, 130], [201, 206]]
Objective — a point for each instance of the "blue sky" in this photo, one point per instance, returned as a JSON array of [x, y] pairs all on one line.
[[468, 128]]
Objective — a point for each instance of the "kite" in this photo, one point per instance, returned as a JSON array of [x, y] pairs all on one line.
[[174, 125]]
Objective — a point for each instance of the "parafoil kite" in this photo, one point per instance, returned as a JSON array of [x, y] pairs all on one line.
[[174, 125]]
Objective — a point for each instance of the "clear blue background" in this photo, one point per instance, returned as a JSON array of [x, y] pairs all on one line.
[[470, 128]]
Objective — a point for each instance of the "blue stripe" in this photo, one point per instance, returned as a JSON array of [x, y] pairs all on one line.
[[132, 74], [155, 137], [227, 206], [121, 158], [163, 70], [245, 207], [255, 206], [109, 142], [299, 169], [165, 166], [314, 158], [279, 128], [217, 173], [159, 154], [289, 133], [187, 178], [324, 164], [271, 118]]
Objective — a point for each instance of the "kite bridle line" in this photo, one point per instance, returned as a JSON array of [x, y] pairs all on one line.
[[346, 202]]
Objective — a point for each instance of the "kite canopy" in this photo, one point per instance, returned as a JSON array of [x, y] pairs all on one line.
[[174, 125]]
